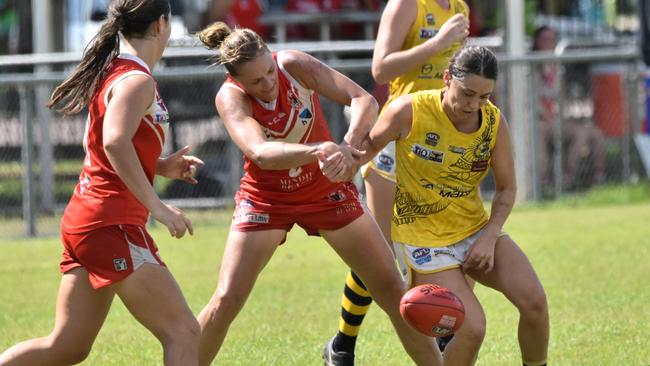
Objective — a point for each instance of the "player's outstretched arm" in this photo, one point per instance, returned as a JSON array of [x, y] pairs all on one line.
[[394, 123]]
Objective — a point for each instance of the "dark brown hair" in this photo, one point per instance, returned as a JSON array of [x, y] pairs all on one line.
[[235, 46], [131, 18], [474, 60]]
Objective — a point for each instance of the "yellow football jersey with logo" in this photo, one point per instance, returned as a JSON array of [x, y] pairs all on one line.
[[439, 170], [428, 75]]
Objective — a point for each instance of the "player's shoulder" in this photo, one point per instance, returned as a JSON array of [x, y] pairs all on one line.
[[294, 60], [460, 6]]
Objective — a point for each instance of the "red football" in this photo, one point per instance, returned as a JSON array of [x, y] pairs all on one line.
[[433, 310]]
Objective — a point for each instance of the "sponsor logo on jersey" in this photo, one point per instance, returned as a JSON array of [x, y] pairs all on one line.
[[426, 68], [453, 193], [346, 208], [426, 33], [119, 264], [294, 172], [443, 251], [430, 19], [432, 138], [421, 255], [246, 203], [428, 154], [480, 166], [337, 196], [457, 149], [161, 115], [253, 217], [305, 116], [292, 183]]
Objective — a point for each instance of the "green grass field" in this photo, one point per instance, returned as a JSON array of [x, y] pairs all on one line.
[[592, 260]]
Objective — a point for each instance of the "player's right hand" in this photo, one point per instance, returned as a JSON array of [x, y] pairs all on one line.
[[453, 30], [174, 219]]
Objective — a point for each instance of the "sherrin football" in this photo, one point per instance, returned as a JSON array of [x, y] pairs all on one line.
[[433, 310]]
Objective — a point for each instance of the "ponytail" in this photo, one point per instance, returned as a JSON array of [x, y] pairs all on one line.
[[131, 18]]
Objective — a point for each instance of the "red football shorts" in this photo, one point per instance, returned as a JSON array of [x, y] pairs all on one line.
[[110, 253], [331, 212]]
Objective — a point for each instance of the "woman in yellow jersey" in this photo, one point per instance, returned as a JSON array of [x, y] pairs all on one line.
[[446, 141], [415, 41]]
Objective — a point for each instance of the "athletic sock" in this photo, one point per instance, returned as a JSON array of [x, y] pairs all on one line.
[[355, 303]]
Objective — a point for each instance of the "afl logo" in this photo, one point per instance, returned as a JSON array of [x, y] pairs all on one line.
[[432, 138], [430, 19], [386, 160]]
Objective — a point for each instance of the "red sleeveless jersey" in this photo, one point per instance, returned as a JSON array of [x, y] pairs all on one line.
[[295, 116], [101, 198]]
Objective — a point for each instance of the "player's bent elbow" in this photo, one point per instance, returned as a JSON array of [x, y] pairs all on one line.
[[373, 105], [258, 158], [263, 157], [379, 75], [380, 78]]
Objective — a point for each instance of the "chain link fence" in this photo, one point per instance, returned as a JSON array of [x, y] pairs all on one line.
[[41, 153]]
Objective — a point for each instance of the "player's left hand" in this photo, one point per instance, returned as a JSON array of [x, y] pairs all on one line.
[[340, 166], [180, 166], [480, 256]]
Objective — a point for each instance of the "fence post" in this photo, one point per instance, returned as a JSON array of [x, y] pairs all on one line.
[[533, 115], [558, 133], [520, 126], [43, 38], [27, 157], [45, 149]]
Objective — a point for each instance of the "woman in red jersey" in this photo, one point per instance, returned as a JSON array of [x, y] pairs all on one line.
[[270, 107], [107, 249]]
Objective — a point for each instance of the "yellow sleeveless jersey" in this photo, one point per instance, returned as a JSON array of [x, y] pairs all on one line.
[[439, 170], [428, 75]]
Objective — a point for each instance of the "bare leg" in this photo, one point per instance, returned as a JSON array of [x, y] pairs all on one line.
[[245, 256], [576, 140], [464, 348], [362, 247], [525, 291], [598, 151], [80, 313], [153, 297]]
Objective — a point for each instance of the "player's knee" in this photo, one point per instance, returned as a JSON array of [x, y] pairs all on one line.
[[224, 305], [474, 330], [182, 333], [389, 292], [534, 304], [68, 352]]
